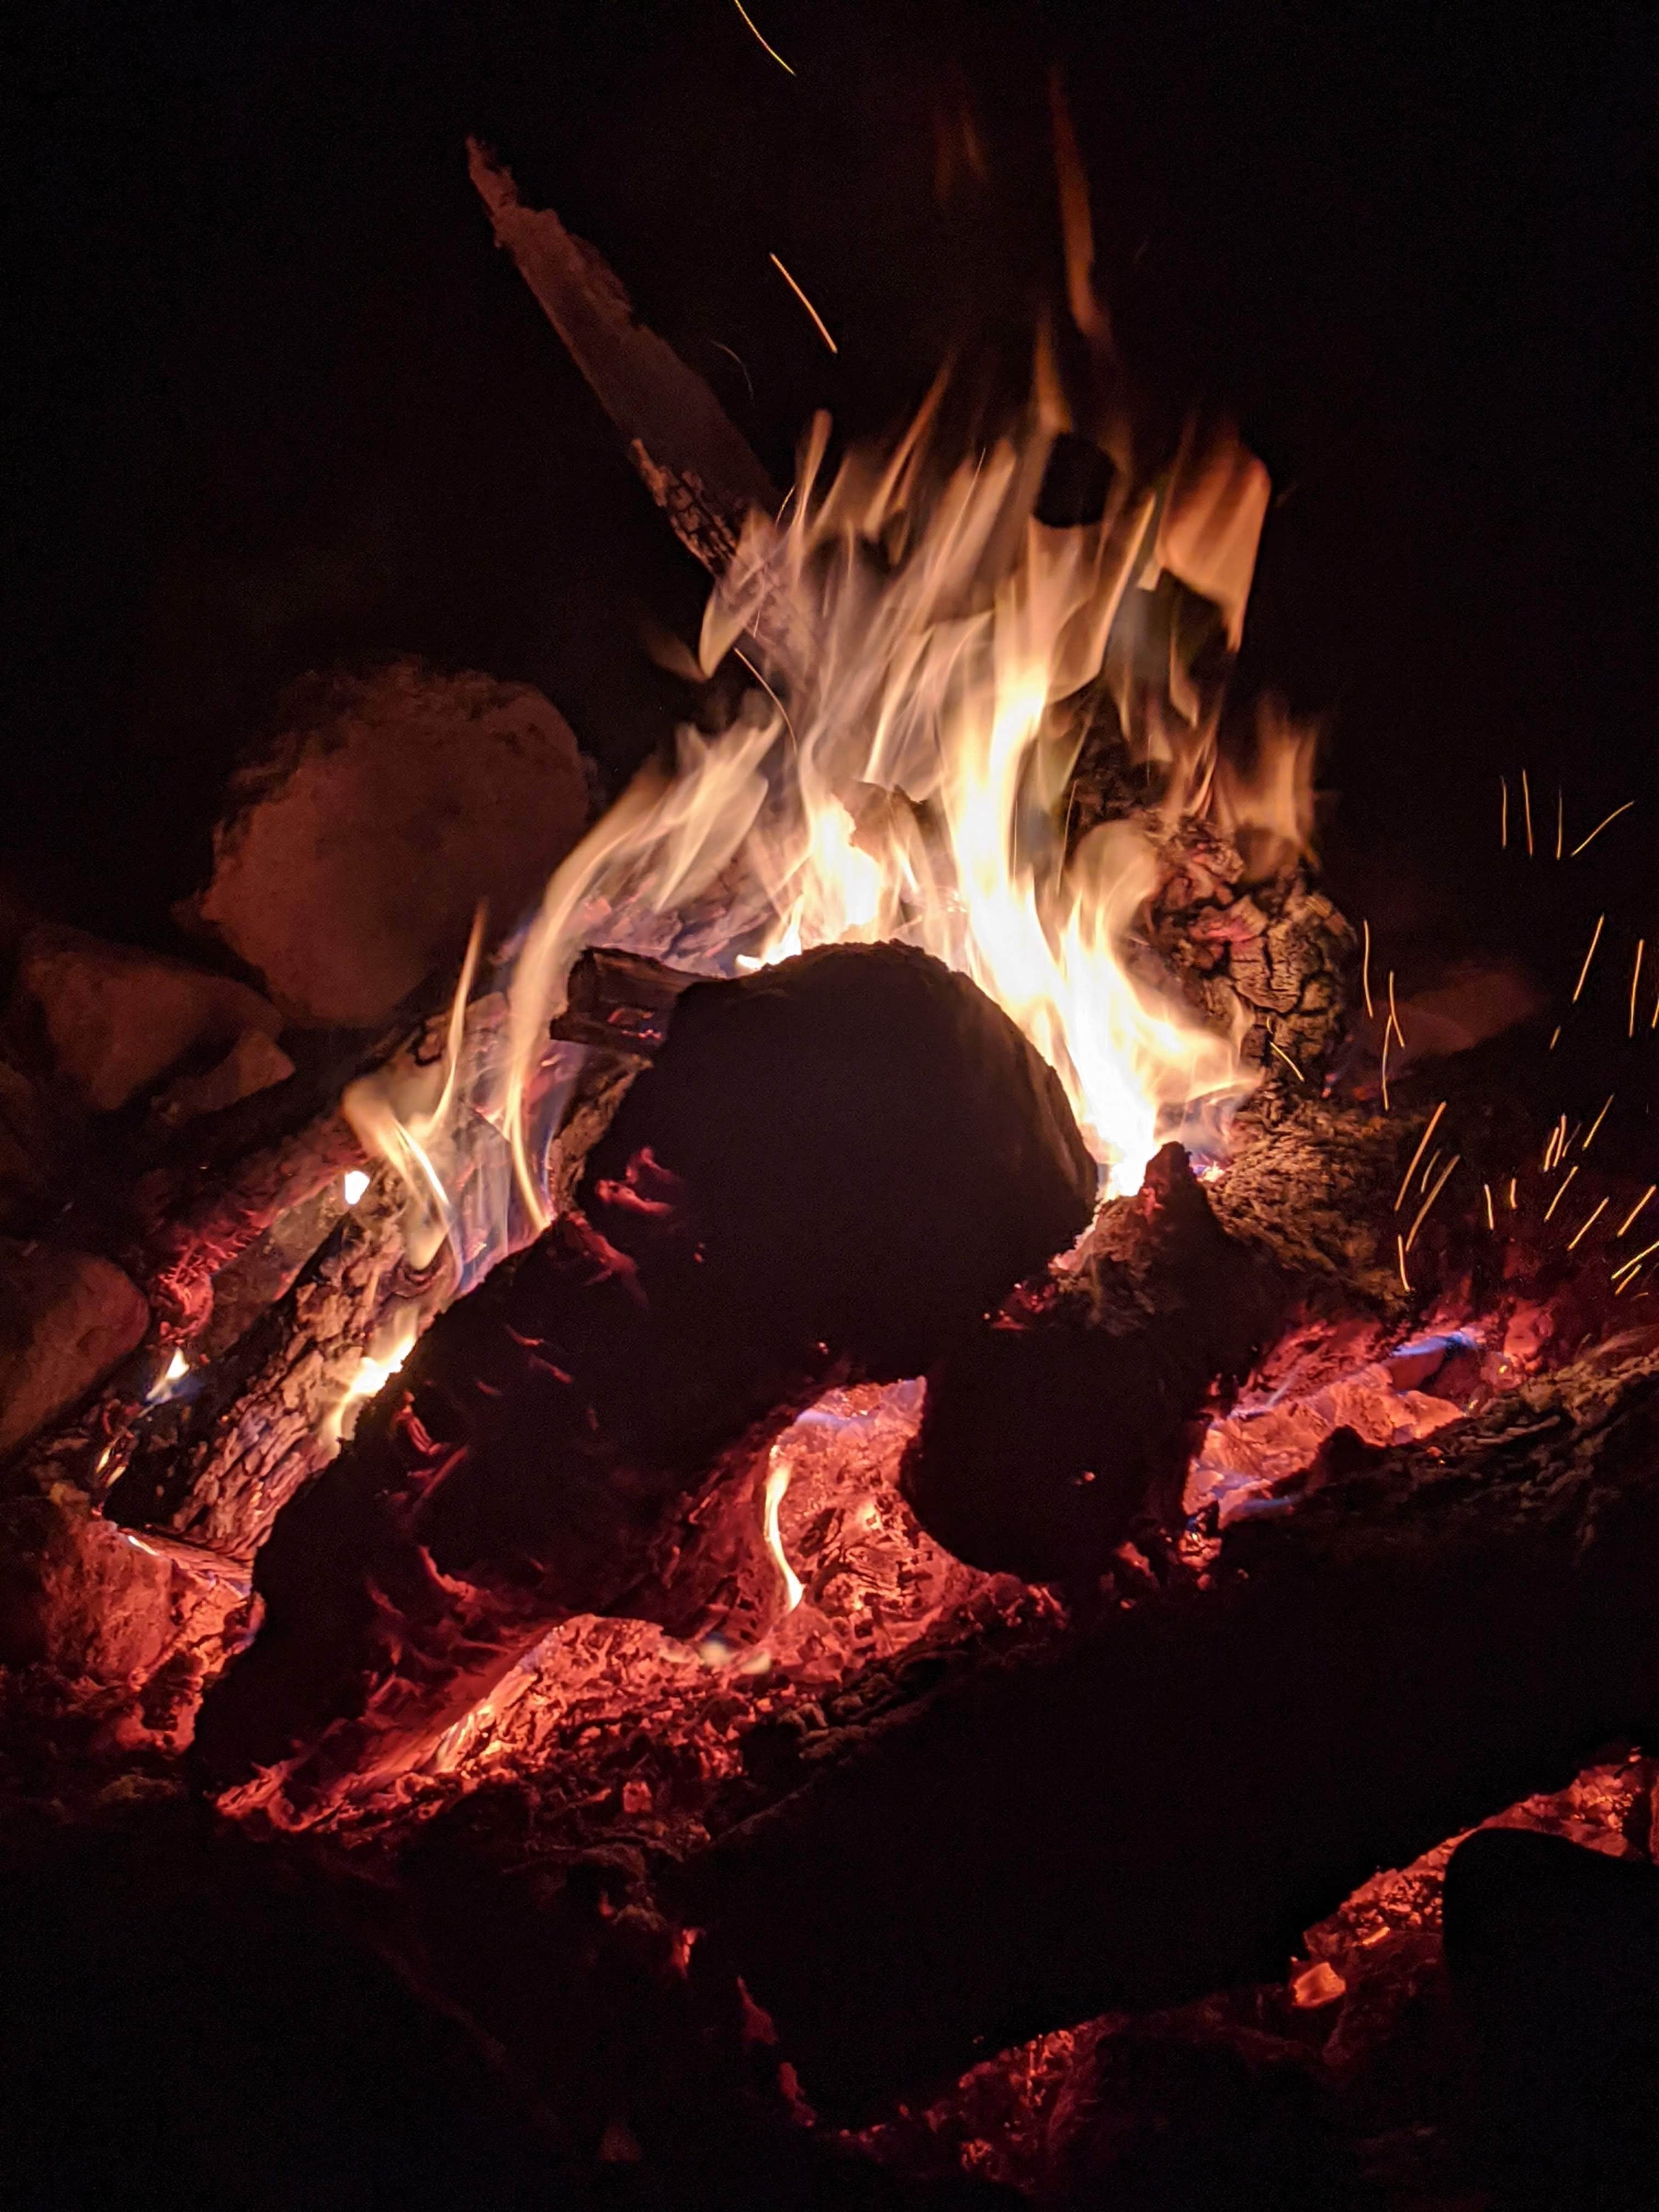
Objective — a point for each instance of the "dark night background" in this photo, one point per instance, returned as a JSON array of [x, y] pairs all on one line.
[[284, 403]]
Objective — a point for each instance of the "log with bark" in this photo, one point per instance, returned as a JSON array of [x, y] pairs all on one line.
[[831, 1168]]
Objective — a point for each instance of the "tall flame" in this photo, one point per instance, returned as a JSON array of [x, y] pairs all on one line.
[[928, 652]]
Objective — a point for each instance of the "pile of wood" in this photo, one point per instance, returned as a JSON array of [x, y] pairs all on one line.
[[1143, 1752]]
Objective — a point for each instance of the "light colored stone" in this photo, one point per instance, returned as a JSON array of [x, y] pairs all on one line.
[[66, 1318], [352, 860], [117, 1019], [254, 1063], [121, 1626]]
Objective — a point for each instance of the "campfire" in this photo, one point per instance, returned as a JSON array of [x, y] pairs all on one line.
[[897, 1465]]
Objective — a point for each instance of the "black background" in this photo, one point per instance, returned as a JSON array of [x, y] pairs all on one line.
[[284, 403]]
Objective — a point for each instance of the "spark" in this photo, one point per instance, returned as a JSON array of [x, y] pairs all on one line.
[[1422, 1210], [770, 693], [1555, 1038], [1558, 1130], [1491, 1222], [1422, 1147], [1600, 827], [741, 364], [1434, 1157], [1596, 939], [1392, 1028], [1562, 1192], [1526, 804], [1636, 1209], [1504, 812], [354, 1182], [1365, 972], [1596, 1124], [822, 328], [1654, 1023], [1629, 1268], [1561, 1141], [773, 50], [1588, 1225], [1559, 821], [1511, 1194], [1288, 1061], [1635, 978], [1399, 1249]]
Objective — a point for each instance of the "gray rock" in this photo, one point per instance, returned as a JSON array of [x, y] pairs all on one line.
[[353, 859], [115, 1019], [66, 1319]]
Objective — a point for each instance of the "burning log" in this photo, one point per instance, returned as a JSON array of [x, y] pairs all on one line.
[[1073, 1413], [1159, 1805], [830, 1170], [1070, 1418]]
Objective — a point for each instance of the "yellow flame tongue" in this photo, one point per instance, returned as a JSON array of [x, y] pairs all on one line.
[[927, 652]]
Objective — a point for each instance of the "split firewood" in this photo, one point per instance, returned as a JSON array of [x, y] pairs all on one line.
[[832, 1167]]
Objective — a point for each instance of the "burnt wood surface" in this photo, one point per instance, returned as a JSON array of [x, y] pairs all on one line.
[[1157, 1807], [1074, 1410]]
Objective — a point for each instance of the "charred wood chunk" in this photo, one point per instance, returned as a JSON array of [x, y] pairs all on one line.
[[1071, 1412], [831, 1169]]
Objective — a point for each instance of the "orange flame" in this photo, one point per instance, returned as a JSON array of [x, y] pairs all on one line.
[[778, 1474], [929, 650]]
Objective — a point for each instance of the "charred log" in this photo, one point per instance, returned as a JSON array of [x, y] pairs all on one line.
[[1069, 1418], [831, 1168], [1076, 1410], [1158, 1807]]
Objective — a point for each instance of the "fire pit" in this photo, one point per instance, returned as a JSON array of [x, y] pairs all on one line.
[[878, 1492]]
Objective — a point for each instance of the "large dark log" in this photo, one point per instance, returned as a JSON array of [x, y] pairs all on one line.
[[832, 1167], [1158, 1808]]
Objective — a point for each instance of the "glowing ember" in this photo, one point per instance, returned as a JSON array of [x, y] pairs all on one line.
[[354, 1183]]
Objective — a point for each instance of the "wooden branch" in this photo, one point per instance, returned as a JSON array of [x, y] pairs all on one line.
[[219, 1463], [695, 462]]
